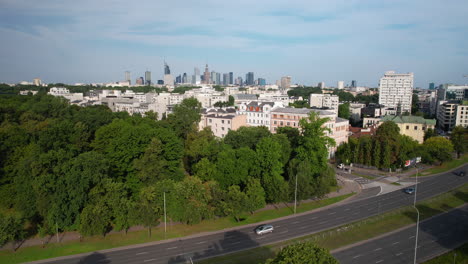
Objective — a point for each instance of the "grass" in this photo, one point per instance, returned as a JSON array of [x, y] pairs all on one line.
[[358, 231], [460, 255], [363, 175], [449, 165], [137, 237], [396, 183]]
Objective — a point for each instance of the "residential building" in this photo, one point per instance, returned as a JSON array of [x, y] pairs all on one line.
[[461, 118], [451, 114], [258, 113], [221, 121], [285, 82], [396, 90], [324, 101], [37, 82], [355, 111]]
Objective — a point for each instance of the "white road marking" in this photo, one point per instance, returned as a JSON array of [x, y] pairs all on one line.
[[314, 217], [284, 232], [347, 209], [302, 227], [172, 248], [297, 222], [357, 256], [148, 260], [277, 226], [398, 254], [395, 243], [235, 243], [322, 222], [332, 213], [201, 242], [377, 249], [141, 253], [260, 237], [411, 237], [378, 261]]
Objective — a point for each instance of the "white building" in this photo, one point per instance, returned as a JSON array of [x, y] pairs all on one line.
[[258, 113], [396, 89], [285, 82], [324, 100], [462, 115], [340, 85]]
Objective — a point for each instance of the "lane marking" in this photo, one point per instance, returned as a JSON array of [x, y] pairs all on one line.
[[284, 232], [322, 222], [377, 249], [398, 254], [357, 256], [172, 248], [141, 253], [395, 243], [347, 209], [202, 242], [411, 237], [302, 227], [260, 237], [314, 217], [148, 260], [332, 213], [233, 243], [378, 261], [297, 222], [106, 259], [277, 226]]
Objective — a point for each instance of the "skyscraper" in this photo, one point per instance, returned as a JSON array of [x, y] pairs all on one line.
[[166, 69], [261, 81], [197, 75], [231, 78], [147, 77], [184, 78], [249, 78], [396, 90], [127, 77], [431, 86], [353, 83], [225, 78], [206, 75], [340, 85]]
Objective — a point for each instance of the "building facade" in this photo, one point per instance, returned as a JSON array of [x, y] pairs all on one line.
[[396, 90]]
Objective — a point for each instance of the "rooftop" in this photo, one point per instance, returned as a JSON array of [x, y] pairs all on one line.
[[409, 119]]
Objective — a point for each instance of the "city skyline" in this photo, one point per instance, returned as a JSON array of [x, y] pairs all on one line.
[[327, 41]]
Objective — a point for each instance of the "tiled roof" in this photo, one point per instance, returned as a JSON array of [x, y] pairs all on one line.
[[409, 119]]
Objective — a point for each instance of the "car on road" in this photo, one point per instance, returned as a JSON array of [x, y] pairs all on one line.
[[340, 166], [409, 190], [460, 173], [263, 229]]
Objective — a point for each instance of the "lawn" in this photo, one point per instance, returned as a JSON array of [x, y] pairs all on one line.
[[358, 231], [137, 237], [445, 166], [457, 256]]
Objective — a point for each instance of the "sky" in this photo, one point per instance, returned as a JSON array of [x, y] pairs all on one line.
[[90, 41]]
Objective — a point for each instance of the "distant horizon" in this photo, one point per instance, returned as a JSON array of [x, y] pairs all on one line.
[[329, 41]]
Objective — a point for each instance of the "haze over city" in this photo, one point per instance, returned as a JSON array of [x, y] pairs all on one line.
[[312, 41]]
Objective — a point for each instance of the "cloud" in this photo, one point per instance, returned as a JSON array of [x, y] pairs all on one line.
[[400, 26]]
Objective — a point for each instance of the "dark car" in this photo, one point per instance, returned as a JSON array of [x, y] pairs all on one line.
[[461, 173], [409, 190]]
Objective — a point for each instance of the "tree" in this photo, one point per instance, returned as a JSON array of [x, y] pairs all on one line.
[[377, 154], [343, 111], [270, 169], [437, 149], [459, 139], [386, 155], [429, 133], [255, 195], [95, 220], [11, 229], [148, 209], [185, 117], [236, 202], [302, 253], [246, 136]]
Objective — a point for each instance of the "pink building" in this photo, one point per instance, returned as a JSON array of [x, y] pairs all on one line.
[[222, 121]]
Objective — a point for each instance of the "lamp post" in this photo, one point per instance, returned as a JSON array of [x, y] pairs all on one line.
[[417, 220], [295, 196]]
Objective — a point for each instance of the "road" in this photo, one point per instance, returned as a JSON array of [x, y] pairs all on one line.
[[218, 243], [436, 235]]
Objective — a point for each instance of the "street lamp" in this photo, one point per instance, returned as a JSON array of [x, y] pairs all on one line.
[[417, 220]]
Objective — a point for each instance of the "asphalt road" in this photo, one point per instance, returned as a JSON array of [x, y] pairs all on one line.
[[436, 236], [218, 243]]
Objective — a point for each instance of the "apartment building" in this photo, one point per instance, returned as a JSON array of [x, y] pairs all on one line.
[[258, 113], [396, 90], [221, 121]]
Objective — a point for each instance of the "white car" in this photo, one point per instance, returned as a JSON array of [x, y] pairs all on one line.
[[263, 229]]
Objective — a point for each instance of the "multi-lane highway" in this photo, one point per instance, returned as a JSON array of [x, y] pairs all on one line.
[[436, 236], [223, 242]]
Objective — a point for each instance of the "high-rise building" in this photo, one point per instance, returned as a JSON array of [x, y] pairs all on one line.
[[431, 86], [166, 69], [321, 85], [184, 78], [396, 91], [340, 85], [213, 77], [37, 82], [226, 79], [218, 78], [353, 83], [196, 72], [127, 77], [147, 77], [206, 75], [285, 82], [249, 78], [231, 78], [140, 81], [239, 81], [178, 79], [261, 81]]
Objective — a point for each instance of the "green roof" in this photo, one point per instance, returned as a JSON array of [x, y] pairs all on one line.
[[409, 119]]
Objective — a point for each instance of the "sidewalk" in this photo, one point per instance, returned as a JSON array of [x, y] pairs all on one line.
[[346, 186]]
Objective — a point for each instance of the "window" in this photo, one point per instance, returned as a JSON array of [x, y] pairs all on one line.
[[222, 121], [407, 127], [275, 122], [415, 127], [222, 128], [229, 121], [287, 123], [210, 120]]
